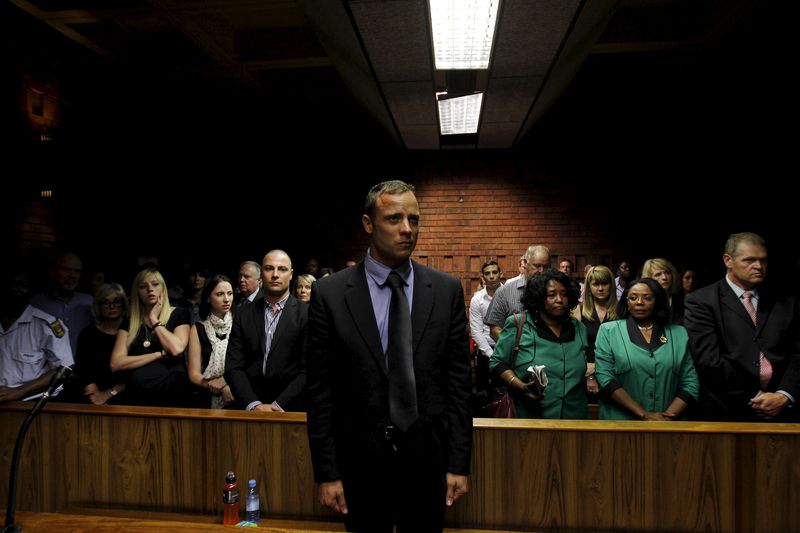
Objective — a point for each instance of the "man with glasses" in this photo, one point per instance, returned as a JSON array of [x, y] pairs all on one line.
[[61, 300], [508, 298]]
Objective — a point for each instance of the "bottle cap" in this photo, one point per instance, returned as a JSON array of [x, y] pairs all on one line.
[[251, 483], [230, 478]]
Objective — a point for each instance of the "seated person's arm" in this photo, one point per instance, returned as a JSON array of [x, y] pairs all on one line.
[[120, 360], [194, 362], [8, 394], [215, 385], [174, 342], [625, 400]]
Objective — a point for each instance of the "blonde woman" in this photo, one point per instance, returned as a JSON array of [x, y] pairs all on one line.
[[666, 275], [302, 290], [151, 343], [599, 306], [208, 341]]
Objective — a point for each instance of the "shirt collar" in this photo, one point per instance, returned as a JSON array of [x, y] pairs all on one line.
[[281, 303], [380, 272], [738, 291]]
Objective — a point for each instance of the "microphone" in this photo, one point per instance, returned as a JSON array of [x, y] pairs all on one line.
[[56, 381], [62, 374]]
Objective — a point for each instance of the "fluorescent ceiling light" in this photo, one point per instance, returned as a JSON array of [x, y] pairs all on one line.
[[463, 31], [460, 115]]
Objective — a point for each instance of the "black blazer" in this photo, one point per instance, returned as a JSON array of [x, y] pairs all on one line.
[[259, 296], [726, 345], [285, 381], [348, 382]]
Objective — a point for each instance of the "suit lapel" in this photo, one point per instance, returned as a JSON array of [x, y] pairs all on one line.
[[729, 299], [260, 306], [287, 315], [421, 305], [763, 311], [359, 303]]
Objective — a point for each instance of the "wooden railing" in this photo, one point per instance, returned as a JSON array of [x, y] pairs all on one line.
[[547, 475]]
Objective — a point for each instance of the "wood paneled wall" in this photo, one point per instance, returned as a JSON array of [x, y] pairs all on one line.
[[548, 475]]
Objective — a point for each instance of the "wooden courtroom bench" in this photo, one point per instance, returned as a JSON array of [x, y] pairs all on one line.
[[541, 475]]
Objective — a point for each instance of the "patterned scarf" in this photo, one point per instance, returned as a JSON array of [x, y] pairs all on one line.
[[217, 327]]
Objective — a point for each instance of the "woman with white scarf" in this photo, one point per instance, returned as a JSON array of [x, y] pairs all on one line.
[[208, 340]]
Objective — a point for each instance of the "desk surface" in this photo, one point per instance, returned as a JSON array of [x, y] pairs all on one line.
[[148, 522], [601, 426]]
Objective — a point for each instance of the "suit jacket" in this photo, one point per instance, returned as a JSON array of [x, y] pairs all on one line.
[[285, 379], [348, 379], [259, 296], [726, 345]]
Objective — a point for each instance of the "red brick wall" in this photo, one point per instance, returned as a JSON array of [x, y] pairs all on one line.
[[35, 228], [494, 213]]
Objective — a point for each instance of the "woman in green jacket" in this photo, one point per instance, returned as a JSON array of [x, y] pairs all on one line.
[[550, 337], [644, 366]]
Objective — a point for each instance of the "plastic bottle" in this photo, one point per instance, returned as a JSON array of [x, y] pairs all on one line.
[[230, 500], [252, 513]]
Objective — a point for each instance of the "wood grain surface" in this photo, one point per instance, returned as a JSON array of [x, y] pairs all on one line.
[[527, 474]]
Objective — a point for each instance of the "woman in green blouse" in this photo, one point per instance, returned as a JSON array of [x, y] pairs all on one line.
[[550, 337], [644, 366]]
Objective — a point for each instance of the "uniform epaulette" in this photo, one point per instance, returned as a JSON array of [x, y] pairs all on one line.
[[57, 328]]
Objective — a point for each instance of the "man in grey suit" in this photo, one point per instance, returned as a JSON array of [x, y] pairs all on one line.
[[745, 339], [379, 464], [264, 364]]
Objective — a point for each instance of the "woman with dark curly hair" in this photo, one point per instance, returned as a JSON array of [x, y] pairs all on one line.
[[644, 366], [550, 337]]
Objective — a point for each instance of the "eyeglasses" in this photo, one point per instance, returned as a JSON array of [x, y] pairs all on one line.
[[633, 298], [112, 303]]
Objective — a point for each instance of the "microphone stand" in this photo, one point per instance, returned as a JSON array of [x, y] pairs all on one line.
[[58, 378]]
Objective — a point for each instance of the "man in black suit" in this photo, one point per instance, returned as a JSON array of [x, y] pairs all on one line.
[[749, 367], [264, 365], [376, 469]]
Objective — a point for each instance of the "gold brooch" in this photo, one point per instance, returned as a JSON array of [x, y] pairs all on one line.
[[663, 339]]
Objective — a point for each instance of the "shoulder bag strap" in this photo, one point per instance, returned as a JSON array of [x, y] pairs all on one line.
[[519, 321]]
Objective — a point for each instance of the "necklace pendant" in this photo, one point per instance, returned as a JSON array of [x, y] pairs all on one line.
[[146, 344]]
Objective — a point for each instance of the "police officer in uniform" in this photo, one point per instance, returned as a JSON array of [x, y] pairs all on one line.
[[33, 344]]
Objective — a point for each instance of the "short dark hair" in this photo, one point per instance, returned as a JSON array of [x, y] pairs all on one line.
[[490, 262], [536, 291], [660, 306], [390, 187]]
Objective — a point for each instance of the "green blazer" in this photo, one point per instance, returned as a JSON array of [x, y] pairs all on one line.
[[565, 365], [654, 378]]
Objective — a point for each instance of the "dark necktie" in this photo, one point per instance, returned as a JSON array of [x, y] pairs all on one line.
[[402, 387]]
